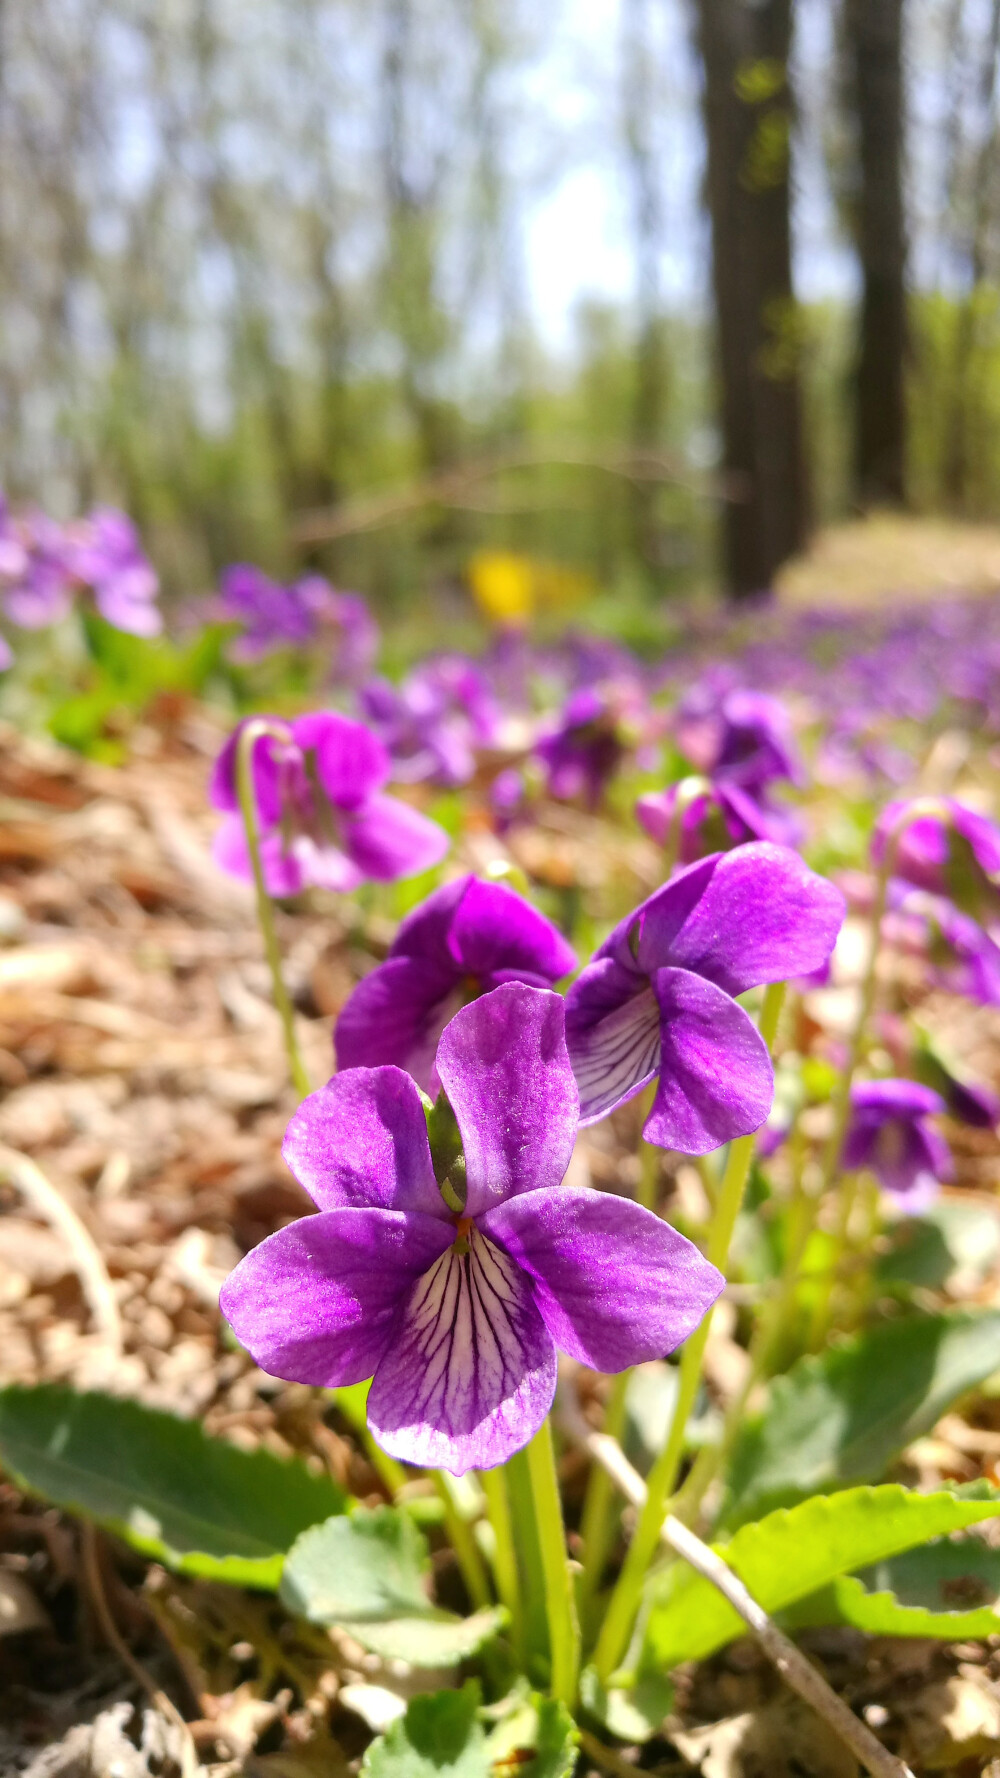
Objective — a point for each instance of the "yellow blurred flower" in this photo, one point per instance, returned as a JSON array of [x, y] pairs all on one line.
[[510, 588]]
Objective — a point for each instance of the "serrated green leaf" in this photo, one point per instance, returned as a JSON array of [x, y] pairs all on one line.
[[842, 1417], [196, 1503], [439, 1737], [948, 1590], [791, 1554], [368, 1573]]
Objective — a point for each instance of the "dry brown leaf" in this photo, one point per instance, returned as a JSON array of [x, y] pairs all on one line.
[[783, 1739], [954, 1720]]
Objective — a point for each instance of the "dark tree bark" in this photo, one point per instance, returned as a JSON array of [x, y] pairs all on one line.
[[748, 115], [874, 32]]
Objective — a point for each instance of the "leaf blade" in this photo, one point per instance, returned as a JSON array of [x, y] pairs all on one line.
[[196, 1503]]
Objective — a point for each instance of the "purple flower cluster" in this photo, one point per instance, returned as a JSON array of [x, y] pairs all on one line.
[[309, 613], [434, 722], [44, 566], [452, 1270], [325, 821]]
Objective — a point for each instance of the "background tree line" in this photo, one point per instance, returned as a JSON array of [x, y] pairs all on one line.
[[263, 280]]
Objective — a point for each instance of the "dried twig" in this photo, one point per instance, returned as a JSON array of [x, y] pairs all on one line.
[[50, 1204], [115, 1640], [791, 1663], [451, 486]]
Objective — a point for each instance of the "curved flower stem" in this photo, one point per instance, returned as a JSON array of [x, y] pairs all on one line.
[[250, 735], [596, 1519], [688, 791], [662, 1478], [560, 1602], [918, 810], [494, 1485], [463, 1542]]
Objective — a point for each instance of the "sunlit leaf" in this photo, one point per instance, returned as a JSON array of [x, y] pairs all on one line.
[[196, 1503], [791, 1554]]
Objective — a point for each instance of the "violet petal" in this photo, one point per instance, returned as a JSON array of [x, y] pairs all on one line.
[[504, 1066], [615, 1284], [716, 1080], [362, 1140], [470, 1372], [318, 1301]]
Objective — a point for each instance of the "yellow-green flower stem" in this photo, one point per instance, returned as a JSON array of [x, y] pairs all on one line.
[[463, 1542], [597, 1517], [918, 810], [250, 735], [494, 1485], [624, 1602], [531, 1580], [688, 792], [560, 1600]]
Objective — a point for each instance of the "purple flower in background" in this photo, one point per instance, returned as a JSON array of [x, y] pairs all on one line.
[[585, 750], [658, 996], [958, 857], [272, 616], [744, 739], [323, 817], [39, 584], [457, 1317], [433, 722], [962, 958], [889, 1133], [354, 631], [721, 816], [465, 939], [105, 553]]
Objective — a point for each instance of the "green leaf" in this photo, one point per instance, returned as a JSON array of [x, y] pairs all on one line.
[[791, 1554], [949, 1590], [951, 1241], [634, 1713], [844, 1416], [369, 1574], [541, 1726], [196, 1503], [439, 1737]]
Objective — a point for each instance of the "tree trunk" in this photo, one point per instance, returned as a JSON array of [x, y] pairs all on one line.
[[874, 30], [748, 116]]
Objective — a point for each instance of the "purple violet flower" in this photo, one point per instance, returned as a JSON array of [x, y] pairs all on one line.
[[745, 739], [465, 939], [324, 820], [105, 553], [723, 816], [889, 1133], [434, 721], [585, 750], [272, 616], [457, 1316], [657, 998], [959, 858], [962, 958], [39, 589]]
